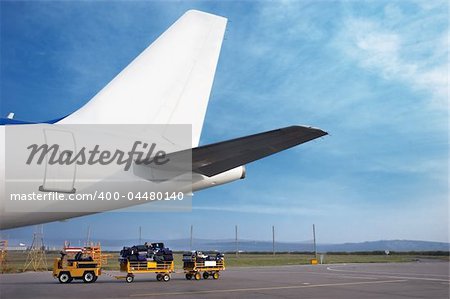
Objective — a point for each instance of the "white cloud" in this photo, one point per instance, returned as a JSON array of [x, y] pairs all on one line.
[[377, 47], [263, 209]]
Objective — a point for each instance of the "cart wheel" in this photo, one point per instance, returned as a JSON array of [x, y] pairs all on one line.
[[129, 278], [197, 276], [158, 277], [88, 277], [205, 275], [166, 277], [64, 277], [188, 276], [216, 275]]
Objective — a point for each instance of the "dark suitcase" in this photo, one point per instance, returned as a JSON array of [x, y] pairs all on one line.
[[168, 257], [157, 245], [141, 247], [166, 251], [141, 258], [158, 258]]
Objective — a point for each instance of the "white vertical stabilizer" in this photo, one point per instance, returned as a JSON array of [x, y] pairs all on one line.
[[169, 83]]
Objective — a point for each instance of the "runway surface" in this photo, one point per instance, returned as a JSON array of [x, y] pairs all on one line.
[[403, 280]]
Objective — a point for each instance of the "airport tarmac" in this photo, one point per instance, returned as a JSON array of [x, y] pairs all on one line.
[[403, 280]]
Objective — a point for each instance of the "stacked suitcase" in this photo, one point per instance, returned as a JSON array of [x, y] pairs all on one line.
[[156, 252]]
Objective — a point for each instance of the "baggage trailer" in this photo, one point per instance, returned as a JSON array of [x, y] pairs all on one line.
[[162, 269], [194, 269]]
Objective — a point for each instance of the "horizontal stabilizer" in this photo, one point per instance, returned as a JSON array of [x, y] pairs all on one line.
[[219, 157]]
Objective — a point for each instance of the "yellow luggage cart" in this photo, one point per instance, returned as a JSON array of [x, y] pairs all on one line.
[[208, 268], [162, 269]]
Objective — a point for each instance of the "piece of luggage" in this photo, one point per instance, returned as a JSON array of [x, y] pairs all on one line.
[[168, 257], [188, 257], [141, 247], [141, 258], [158, 258], [166, 251], [156, 245]]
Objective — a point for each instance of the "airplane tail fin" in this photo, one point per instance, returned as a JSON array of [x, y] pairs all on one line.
[[168, 83]]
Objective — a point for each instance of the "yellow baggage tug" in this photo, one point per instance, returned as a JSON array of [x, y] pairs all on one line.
[[78, 263]]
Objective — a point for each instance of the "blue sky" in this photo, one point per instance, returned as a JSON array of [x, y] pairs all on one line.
[[374, 74]]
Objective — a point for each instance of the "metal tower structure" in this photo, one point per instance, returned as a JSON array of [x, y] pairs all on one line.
[[36, 258], [3, 255]]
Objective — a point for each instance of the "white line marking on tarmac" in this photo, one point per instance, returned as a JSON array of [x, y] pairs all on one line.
[[337, 275], [387, 275], [393, 273], [357, 277], [269, 288]]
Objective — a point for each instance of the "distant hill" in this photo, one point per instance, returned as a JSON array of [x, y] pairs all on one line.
[[261, 246], [251, 245], [392, 245]]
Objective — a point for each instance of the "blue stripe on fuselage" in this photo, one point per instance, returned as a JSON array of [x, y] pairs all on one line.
[[8, 121]]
